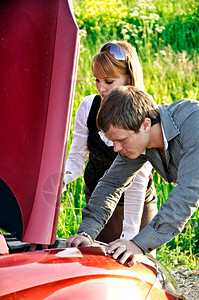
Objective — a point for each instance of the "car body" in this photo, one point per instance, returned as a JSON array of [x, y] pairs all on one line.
[[85, 273]]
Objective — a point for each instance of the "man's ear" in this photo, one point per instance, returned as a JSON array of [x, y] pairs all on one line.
[[146, 125]]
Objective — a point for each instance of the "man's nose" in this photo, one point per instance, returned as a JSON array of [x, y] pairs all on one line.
[[117, 147]]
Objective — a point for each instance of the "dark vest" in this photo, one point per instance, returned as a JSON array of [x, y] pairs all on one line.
[[100, 155]]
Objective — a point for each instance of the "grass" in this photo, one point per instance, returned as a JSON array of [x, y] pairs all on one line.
[[165, 34]]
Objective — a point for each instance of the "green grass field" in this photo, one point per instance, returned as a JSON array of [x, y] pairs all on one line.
[[165, 34]]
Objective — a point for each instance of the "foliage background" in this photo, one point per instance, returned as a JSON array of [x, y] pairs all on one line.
[[165, 34]]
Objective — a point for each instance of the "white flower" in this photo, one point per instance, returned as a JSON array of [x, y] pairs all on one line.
[[163, 52], [126, 37]]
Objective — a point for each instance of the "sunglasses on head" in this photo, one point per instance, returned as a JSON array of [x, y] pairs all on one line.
[[117, 51]]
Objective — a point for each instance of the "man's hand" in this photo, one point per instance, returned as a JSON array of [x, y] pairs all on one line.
[[78, 241], [124, 250]]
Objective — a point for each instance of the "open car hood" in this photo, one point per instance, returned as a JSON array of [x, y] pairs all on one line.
[[38, 58]]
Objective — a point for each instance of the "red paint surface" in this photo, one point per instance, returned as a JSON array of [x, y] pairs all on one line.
[[38, 58], [84, 273], [46, 272]]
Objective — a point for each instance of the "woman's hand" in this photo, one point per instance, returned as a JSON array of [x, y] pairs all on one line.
[[33, 247], [124, 251], [64, 184]]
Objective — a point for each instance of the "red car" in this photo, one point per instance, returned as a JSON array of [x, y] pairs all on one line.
[[38, 58], [84, 273]]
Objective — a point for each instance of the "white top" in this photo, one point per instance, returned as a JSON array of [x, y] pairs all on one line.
[[134, 196]]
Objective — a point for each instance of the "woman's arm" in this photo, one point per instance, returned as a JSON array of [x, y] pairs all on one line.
[[134, 198], [78, 152]]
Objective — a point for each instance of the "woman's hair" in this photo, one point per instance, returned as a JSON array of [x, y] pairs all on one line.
[[105, 64], [126, 107]]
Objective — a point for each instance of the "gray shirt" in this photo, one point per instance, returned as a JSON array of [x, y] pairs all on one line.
[[180, 123]]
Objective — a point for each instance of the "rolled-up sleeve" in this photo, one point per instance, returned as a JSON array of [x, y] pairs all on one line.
[[108, 192]]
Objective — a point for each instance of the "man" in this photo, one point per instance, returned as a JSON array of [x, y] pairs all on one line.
[[165, 135]]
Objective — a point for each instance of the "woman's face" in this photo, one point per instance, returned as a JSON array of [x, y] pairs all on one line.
[[106, 84]]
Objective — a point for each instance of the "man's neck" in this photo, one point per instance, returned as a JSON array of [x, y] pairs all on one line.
[[156, 137]]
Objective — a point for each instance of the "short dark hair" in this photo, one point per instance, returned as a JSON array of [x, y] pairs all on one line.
[[126, 107]]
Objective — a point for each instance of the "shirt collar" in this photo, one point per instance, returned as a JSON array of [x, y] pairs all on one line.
[[164, 141], [164, 138]]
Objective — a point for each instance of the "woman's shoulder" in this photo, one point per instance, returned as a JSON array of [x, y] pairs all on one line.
[[84, 108], [87, 102], [88, 99]]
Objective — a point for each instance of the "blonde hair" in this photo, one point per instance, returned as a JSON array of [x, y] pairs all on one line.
[[105, 64]]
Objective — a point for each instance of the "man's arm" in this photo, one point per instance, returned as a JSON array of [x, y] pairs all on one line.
[[106, 196], [184, 199], [171, 218]]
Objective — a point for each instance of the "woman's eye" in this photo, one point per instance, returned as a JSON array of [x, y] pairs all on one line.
[[96, 80], [109, 82]]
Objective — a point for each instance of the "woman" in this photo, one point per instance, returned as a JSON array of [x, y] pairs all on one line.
[[116, 64]]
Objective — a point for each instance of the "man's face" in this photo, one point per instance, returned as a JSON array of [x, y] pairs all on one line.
[[128, 142]]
